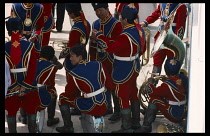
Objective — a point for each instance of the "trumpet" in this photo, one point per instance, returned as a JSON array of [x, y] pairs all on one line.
[[157, 76]]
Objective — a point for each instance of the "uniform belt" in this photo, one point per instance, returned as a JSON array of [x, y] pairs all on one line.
[[177, 103], [101, 50], [126, 58], [27, 32], [94, 93], [40, 85], [18, 70]]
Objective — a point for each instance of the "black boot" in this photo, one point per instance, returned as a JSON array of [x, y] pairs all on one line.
[[22, 117], [126, 122], [51, 113], [11, 121], [66, 115], [135, 110], [156, 70], [109, 108], [32, 127], [148, 119], [116, 116]]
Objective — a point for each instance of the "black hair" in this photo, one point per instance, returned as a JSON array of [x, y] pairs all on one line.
[[14, 24], [79, 49], [129, 20], [47, 52], [73, 8]]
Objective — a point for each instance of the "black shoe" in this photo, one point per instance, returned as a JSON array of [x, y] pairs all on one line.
[[51, 122], [65, 129], [116, 116], [22, 119]]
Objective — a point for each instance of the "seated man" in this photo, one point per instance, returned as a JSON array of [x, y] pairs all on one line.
[[170, 98], [92, 80]]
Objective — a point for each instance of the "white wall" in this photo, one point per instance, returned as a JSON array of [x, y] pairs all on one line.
[[196, 106]]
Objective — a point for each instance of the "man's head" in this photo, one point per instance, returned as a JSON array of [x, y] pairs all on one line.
[[77, 53], [14, 24], [172, 66], [73, 9], [101, 10], [128, 14], [47, 52]]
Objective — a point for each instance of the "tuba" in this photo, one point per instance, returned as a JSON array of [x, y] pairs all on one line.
[[168, 40], [165, 40]]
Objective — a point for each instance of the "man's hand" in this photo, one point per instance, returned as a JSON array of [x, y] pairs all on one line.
[[151, 80], [21, 91], [163, 78], [142, 24], [94, 32], [33, 39]]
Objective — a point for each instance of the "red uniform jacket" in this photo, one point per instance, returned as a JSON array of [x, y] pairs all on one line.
[[178, 24]]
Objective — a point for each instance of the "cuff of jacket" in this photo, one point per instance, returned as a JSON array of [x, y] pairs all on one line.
[[146, 23]]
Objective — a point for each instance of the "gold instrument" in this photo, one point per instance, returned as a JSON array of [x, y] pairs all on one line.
[[143, 95], [169, 128], [145, 56], [168, 40], [60, 43]]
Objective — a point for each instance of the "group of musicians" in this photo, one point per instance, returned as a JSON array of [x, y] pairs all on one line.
[[108, 72]]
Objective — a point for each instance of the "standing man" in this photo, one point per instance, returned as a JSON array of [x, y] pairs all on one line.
[[32, 17], [60, 10], [48, 24], [170, 98], [118, 8], [92, 80], [165, 11], [45, 76], [21, 56], [79, 34], [111, 28], [127, 50]]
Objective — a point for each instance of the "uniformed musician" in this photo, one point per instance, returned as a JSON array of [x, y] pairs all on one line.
[[170, 97], [165, 11], [79, 34], [21, 57], [126, 49], [118, 8], [92, 80], [45, 78], [110, 27], [32, 17]]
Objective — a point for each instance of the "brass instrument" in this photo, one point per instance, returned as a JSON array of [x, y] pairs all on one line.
[[168, 40], [143, 95], [169, 128], [60, 43], [145, 56]]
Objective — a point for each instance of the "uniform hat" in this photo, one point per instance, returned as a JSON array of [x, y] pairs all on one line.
[[172, 66], [14, 24], [129, 12], [73, 7], [100, 5]]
